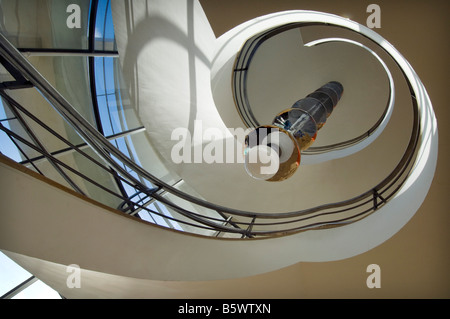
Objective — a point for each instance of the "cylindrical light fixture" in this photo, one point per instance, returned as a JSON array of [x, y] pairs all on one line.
[[272, 152]]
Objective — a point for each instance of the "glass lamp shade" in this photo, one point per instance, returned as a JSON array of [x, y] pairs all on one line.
[[262, 162], [300, 124], [314, 108], [271, 154]]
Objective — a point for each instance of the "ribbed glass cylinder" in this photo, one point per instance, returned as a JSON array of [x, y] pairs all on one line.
[[292, 131]]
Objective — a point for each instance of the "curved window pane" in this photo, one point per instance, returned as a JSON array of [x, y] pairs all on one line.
[[11, 274], [38, 24], [38, 290], [104, 28]]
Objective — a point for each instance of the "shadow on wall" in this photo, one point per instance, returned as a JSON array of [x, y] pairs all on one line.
[[155, 27]]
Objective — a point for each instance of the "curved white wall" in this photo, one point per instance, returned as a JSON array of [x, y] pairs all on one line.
[[178, 72], [174, 103]]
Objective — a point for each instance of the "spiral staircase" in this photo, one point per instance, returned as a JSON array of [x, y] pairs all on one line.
[[114, 202]]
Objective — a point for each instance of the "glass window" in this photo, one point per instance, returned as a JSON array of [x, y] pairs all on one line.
[[116, 113], [38, 24], [38, 290], [41, 25], [8, 148], [11, 274], [104, 28]]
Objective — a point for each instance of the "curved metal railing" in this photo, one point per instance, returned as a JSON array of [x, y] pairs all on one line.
[[239, 86], [227, 220]]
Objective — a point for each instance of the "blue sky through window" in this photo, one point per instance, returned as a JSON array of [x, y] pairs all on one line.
[[7, 146]]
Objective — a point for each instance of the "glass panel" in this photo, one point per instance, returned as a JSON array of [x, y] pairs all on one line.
[[149, 158], [104, 115], [43, 24], [69, 75], [32, 101], [97, 174], [158, 219], [216, 218], [118, 123], [104, 28], [166, 212], [4, 75], [7, 147], [99, 76], [116, 112], [38, 290], [11, 274], [147, 217], [109, 75]]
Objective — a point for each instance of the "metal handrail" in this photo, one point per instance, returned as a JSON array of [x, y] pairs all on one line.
[[106, 150], [239, 86]]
